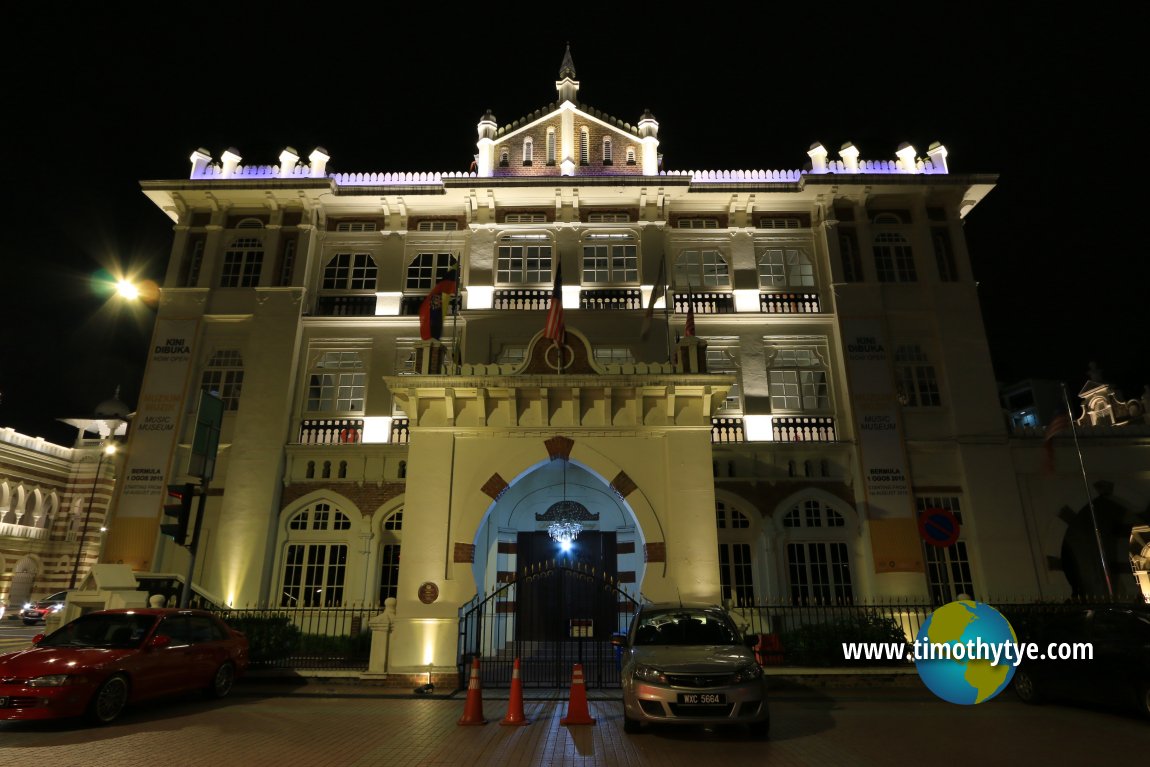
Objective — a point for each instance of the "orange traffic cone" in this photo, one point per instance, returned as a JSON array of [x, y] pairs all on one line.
[[577, 712], [473, 709], [515, 713]]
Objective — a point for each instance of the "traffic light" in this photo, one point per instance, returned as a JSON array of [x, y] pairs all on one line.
[[179, 508]]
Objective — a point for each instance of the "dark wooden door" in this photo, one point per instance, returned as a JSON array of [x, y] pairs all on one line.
[[562, 595]]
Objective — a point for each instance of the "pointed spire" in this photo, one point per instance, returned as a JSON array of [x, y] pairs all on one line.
[[567, 68]]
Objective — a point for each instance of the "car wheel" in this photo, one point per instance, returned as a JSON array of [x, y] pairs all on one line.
[[222, 682], [110, 700], [760, 730], [630, 725], [1025, 688]]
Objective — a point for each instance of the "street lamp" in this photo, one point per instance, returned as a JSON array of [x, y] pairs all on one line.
[[108, 451]]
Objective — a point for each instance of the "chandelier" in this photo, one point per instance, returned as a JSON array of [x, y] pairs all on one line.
[[565, 518]]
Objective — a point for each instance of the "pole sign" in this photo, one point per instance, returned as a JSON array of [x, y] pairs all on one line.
[[206, 441], [938, 527]]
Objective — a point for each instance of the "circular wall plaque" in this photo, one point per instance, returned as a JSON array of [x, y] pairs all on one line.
[[428, 592]]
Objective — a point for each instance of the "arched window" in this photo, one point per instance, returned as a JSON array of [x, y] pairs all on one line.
[[426, 269], [310, 470], [315, 557], [607, 153], [630, 155], [701, 269], [403, 469], [584, 146], [736, 570], [817, 542], [550, 146], [504, 157], [343, 469], [327, 469], [390, 541], [528, 150], [350, 271]]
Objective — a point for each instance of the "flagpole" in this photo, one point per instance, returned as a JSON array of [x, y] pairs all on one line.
[[667, 310], [1089, 497], [456, 352]]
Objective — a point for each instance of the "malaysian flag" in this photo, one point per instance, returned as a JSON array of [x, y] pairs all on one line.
[[554, 328], [431, 310], [1059, 423]]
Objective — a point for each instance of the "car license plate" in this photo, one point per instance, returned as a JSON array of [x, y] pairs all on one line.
[[702, 698]]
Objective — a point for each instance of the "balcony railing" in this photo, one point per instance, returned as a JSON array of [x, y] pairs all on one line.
[[611, 298], [521, 299], [331, 431], [803, 429], [399, 431], [727, 430], [789, 303], [409, 305], [706, 303], [345, 306]]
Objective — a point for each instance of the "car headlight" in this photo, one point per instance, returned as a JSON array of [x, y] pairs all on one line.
[[55, 680], [56, 608], [748, 673], [28, 606], [650, 674]]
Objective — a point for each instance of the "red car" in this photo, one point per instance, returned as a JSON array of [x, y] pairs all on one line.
[[103, 661]]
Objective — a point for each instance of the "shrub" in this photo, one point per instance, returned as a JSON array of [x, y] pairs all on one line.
[[820, 644]]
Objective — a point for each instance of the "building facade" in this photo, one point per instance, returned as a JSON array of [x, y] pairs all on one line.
[[767, 379]]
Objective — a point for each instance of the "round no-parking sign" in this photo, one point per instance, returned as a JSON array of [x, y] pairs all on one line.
[[938, 527]]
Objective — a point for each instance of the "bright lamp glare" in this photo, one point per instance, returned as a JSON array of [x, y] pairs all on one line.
[[127, 290], [565, 545]]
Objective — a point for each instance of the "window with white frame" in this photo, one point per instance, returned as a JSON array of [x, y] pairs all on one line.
[[610, 259], [528, 150], [524, 259], [550, 146], [915, 377], [798, 380], [850, 256], [437, 226], [195, 263], [350, 271], [948, 568], [780, 222], [511, 354], [525, 218], [607, 153], [355, 226], [943, 254], [242, 263], [337, 383], [390, 541], [817, 554], [614, 355], [736, 569], [630, 155], [701, 269], [405, 358], [287, 264], [608, 218], [723, 359], [426, 269], [782, 268], [584, 146], [893, 259], [224, 376], [697, 223], [315, 557]]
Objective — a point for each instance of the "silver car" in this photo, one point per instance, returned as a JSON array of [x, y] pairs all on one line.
[[688, 664]]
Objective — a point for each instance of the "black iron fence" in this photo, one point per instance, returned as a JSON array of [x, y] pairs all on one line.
[[306, 638]]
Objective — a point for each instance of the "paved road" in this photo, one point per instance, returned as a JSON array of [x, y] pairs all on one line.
[[262, 726]]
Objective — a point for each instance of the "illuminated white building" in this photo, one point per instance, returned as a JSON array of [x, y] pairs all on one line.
[[838, 385]]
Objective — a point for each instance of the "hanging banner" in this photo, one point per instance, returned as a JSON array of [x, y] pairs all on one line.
[[153, 436], [886, 478]]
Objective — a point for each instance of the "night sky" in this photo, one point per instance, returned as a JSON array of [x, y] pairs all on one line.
[[105, 102]]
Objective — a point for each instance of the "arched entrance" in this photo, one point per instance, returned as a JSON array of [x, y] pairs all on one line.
[[547, 601]]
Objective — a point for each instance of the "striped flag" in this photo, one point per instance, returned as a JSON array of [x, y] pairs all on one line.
[[431, 310], [1059, 423], [660, 289], [554, 328], [689, 330]]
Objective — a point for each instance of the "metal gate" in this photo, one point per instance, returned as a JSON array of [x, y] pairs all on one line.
[[550, 615]]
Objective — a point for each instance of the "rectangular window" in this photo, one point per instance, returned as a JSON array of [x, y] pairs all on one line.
[[524, 260], [525, 218], [242, 265], [798, 381], [287, 265], [608, 218], [355, 226], [849, 253], [722, 359], [389, 574], [314, 575], [341, 390], [697, 223], [893, 259], [915, 377], [195, 263], [610, 263], [819, 573], [944, 255], [736, 580], [437, 226], [947, 568]]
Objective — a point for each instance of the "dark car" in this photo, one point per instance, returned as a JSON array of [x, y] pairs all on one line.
[[38, 611], [103, 661], [690, 665], [1118, 674]]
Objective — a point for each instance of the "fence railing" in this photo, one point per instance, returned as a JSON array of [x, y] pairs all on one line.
[[306, 638]]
